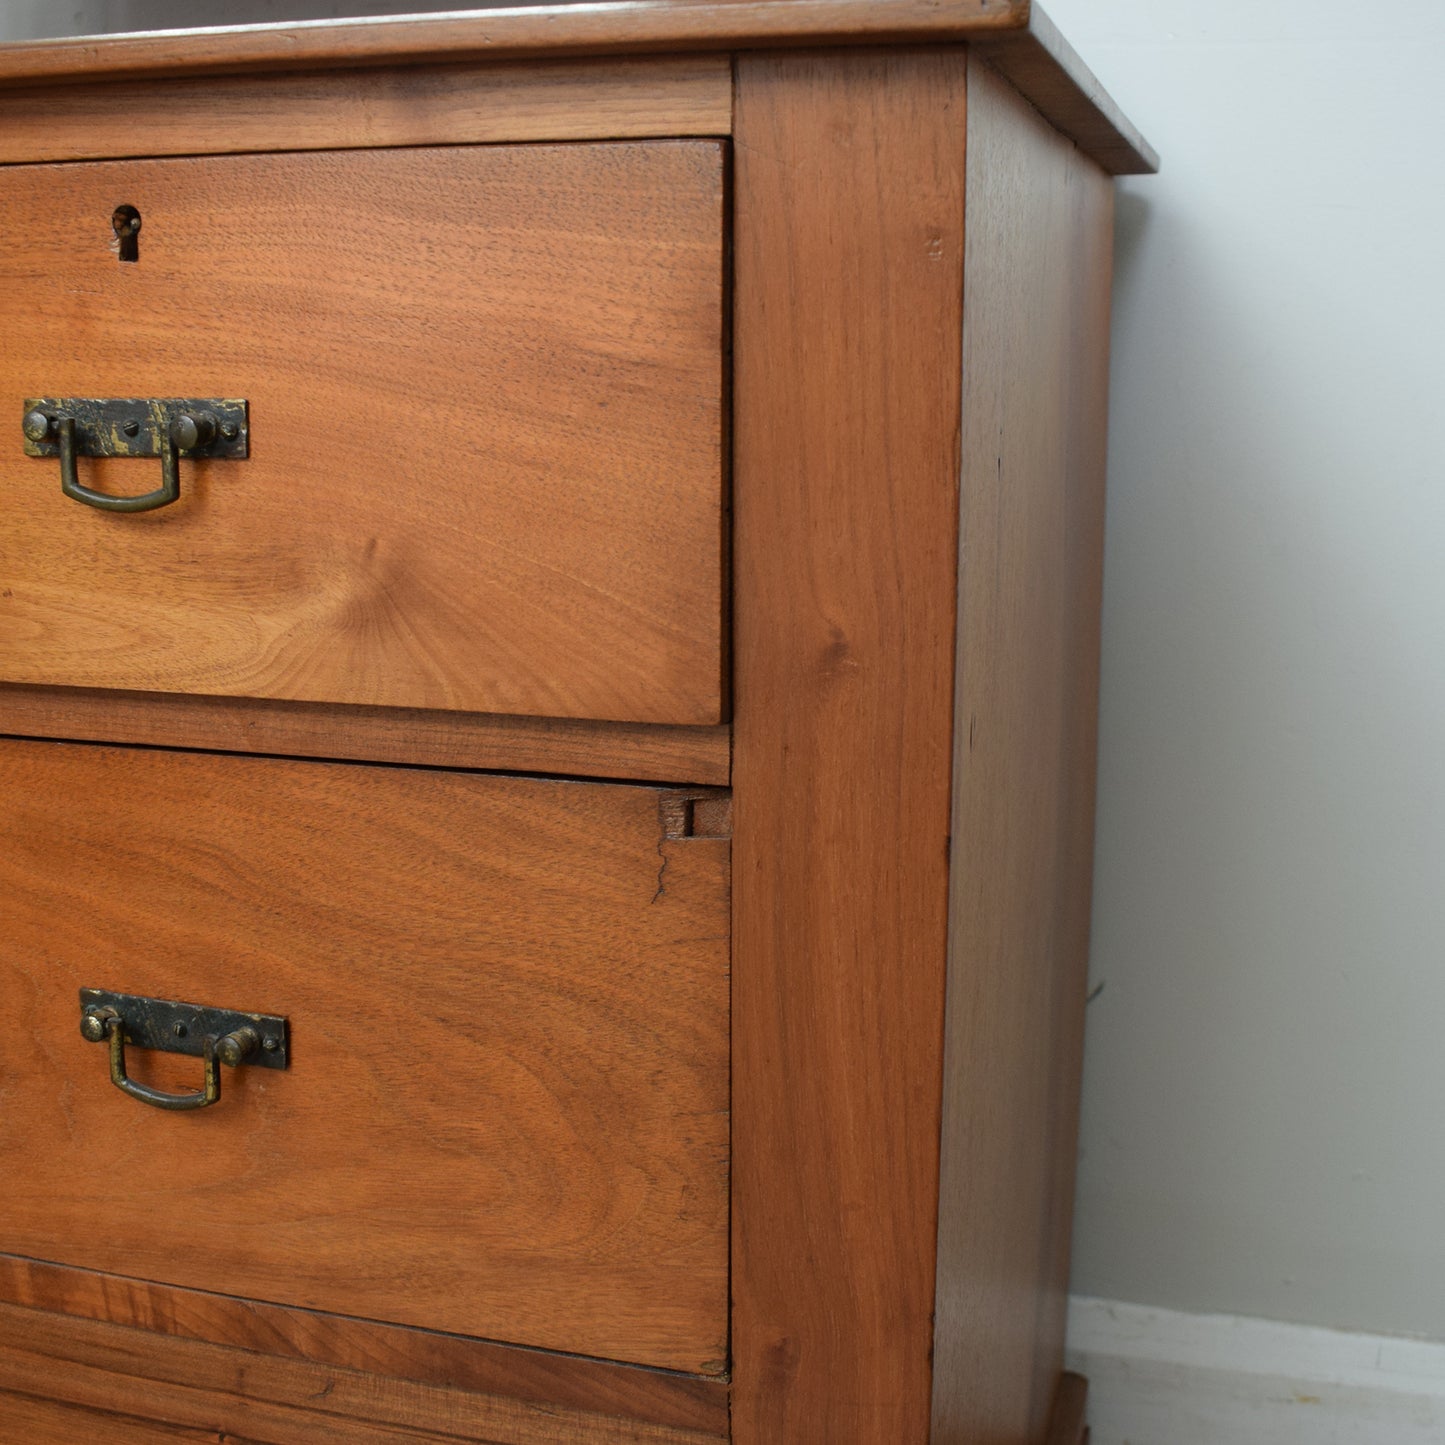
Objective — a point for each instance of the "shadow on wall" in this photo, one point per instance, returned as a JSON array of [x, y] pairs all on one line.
[[1131, 222]]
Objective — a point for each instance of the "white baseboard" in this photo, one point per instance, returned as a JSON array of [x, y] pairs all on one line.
[[1159, 1377]]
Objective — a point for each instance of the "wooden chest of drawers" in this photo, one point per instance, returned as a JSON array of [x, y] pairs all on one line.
[[616, 692]]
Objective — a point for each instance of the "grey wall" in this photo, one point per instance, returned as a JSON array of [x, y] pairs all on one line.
[[1265, 1079]]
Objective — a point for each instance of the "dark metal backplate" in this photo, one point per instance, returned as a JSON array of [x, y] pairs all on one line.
[[182, 1028], [140, 426]]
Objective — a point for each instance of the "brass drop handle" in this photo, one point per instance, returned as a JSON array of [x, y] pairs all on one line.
[[184, 433], [72, 427], [179, 1028]]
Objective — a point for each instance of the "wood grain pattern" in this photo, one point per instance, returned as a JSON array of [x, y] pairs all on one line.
[[25, 1420], [637, 27], [1030, 49], [188, 1384], [485, 388], [333, 110], [634, 751], [507, 1112], [1036, 311], [481, 1367], [538, 1148], [849, 265]]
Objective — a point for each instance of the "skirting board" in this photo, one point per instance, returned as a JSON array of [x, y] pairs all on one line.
[[1160, 1377]]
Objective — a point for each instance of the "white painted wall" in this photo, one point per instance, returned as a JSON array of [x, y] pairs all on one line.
[[1265, 1081]]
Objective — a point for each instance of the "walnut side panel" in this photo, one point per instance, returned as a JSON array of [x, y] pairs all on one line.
[[183, 1385], [336, 109], [1036, 312], [849, 215], [513, 1377]]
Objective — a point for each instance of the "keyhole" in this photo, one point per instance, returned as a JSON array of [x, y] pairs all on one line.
[[126, 225]]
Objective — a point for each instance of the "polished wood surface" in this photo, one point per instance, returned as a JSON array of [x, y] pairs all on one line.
[[636, 751], [849, 266], [1035, 323], [530, 1134], [1031, 50], [235, 1393], [507, 1110], [514, 1377], [636, 26], [27, 1420], [486, 428], [333, 110]]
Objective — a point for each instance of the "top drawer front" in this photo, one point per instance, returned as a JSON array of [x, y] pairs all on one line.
[[485, 391]]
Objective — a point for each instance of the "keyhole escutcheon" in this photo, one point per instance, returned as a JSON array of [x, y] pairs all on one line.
[[125, 222]]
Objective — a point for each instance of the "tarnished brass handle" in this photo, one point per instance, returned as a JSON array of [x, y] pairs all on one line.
[[113, 1028], [183, 434], [208, 429], [105, 1024]]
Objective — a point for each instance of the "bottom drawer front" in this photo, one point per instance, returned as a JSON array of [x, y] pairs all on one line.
[[25, 1420], [505, 1108]]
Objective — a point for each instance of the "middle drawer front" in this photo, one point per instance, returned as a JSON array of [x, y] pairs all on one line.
[[506, 1109], [485, 389]]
